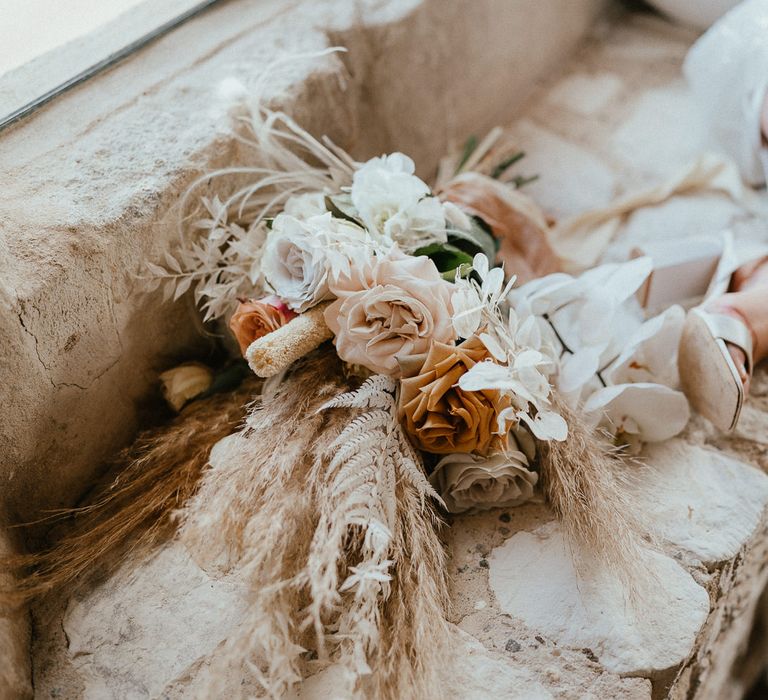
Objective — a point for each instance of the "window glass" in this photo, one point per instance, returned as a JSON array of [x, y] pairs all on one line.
[[34, 27], [47, 46]]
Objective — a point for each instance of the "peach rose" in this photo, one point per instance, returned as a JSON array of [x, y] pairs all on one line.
[[442, 418], [255, 318], [388, 308]]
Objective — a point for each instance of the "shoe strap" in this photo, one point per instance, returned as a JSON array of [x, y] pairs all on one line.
[[731, 330]]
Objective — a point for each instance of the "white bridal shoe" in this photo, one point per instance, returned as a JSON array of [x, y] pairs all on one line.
[[709, 376]]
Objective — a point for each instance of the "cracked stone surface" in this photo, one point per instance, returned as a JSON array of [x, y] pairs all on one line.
[[199, 609], [525, 625], [702, 500], [533, 579]]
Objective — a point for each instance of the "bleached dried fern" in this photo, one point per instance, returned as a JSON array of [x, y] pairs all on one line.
[[379, 393], [221, 246], [325, 515]]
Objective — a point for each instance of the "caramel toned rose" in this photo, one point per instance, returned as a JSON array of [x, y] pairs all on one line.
[[255, 318], [442, 418]]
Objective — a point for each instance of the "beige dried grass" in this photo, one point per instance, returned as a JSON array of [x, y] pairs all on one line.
[[132, 509], [589, 486], [279, 511], [261, 512]]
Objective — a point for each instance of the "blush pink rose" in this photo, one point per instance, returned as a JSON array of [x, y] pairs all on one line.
[[390, 307]]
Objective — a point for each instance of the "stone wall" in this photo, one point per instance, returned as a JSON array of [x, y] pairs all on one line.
[[95, 178], [93, 181]]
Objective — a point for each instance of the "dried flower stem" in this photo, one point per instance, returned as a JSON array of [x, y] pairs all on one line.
[[132, 510]]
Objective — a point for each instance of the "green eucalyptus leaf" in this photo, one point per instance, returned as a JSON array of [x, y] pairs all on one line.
[[446, 257]]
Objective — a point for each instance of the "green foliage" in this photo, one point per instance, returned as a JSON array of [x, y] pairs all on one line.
[[446, 257], [341, 207]]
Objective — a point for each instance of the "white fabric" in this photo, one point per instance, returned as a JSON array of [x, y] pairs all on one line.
[[727, 69], [581, 240]]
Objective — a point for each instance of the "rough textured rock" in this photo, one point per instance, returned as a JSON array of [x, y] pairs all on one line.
[[528, 628], [472, 672], [702, 500], [533, 579], [15, 671], [122, 658]]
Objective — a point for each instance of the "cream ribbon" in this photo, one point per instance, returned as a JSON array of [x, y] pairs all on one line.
[[581, 240]]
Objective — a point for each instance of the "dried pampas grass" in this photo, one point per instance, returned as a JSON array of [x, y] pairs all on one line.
[[132, 511], [221, 239], [320, 513], [587, 483]]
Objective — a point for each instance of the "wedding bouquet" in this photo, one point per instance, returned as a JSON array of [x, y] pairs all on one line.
[[402, 284], [401, 373], [446, 385]]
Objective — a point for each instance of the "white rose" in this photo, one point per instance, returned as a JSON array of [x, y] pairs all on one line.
[[468, 481], [394, 203], [305, 206], [301, 257], [183, 383]]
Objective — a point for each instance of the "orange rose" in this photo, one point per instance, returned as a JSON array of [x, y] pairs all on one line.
[[255, 318], [442, 418]]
